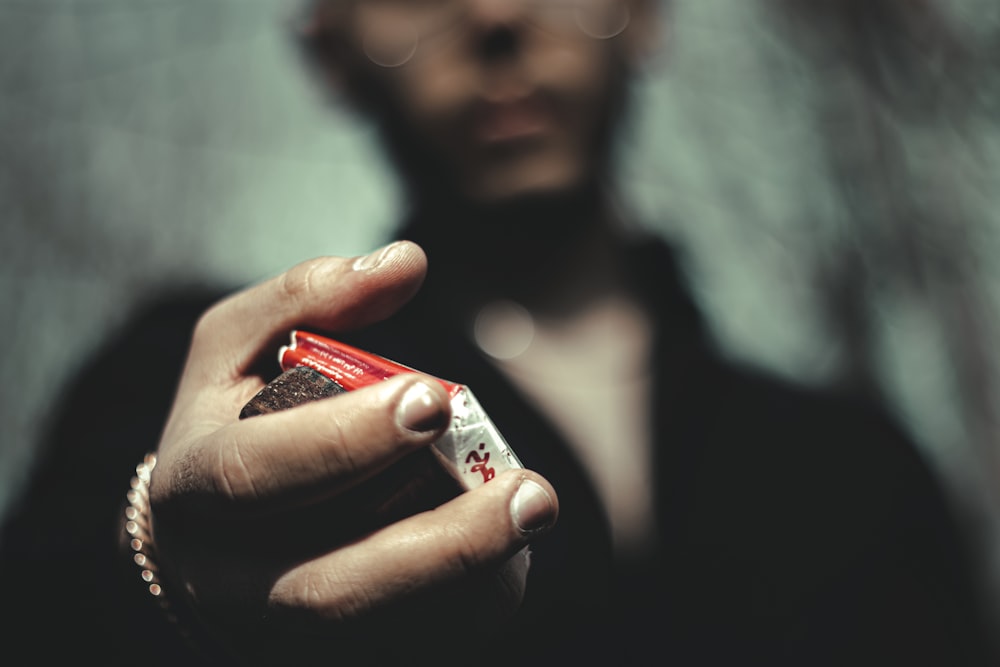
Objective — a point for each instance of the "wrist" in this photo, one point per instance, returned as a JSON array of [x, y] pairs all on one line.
[[140, 545]]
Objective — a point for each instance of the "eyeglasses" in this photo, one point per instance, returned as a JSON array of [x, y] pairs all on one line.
[[393, 30]]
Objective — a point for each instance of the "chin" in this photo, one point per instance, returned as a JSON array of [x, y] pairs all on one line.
[[519, 182]]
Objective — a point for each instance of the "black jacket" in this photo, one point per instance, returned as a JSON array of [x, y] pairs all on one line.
[[799, 527]]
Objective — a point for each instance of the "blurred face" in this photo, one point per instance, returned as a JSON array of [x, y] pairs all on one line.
[[494, 99]]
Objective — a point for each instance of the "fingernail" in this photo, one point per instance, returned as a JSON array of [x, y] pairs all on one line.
[[421, 410], [375, 258], [531, 507]]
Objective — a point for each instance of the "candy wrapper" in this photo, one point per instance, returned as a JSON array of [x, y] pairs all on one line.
[[472, 450]]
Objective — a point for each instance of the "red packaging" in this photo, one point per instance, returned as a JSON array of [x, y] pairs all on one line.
[[472, 450]]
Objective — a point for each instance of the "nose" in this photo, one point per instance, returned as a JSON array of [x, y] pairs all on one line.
[[495, 27], [490, 14]]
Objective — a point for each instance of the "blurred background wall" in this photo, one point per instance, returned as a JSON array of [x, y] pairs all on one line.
[[832, 168]]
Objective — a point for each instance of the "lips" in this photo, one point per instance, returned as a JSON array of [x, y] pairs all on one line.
[[500, 122]]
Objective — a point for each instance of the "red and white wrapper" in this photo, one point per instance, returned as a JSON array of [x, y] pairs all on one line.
[[472, 450]]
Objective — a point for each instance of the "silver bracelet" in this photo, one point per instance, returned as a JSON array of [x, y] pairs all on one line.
[[139, 527]]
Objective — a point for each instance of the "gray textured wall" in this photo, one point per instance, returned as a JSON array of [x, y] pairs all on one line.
[[831, 233], [151, 141]]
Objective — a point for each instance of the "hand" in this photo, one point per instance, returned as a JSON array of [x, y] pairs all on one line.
[[254, 522]]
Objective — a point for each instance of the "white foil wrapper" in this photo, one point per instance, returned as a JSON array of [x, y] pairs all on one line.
[[472, 449]]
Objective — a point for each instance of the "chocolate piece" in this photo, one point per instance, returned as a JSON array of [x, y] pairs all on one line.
[[293, 387]]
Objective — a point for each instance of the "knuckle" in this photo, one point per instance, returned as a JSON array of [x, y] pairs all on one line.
[[337, 454], [173, 481], [234, 477], [207, 323], [321, 595], [466, 559], [300, 282]]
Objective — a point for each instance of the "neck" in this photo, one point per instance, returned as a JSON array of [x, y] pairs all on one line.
[[552, 254]]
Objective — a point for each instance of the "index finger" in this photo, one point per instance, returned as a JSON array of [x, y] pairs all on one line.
[[330, 293]]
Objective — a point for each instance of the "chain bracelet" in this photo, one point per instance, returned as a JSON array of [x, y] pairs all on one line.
[[139, 527]]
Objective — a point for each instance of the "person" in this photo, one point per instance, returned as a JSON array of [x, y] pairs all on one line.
[[675, 507]]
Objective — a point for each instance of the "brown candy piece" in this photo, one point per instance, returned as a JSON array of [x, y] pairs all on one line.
[[295, 386]]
